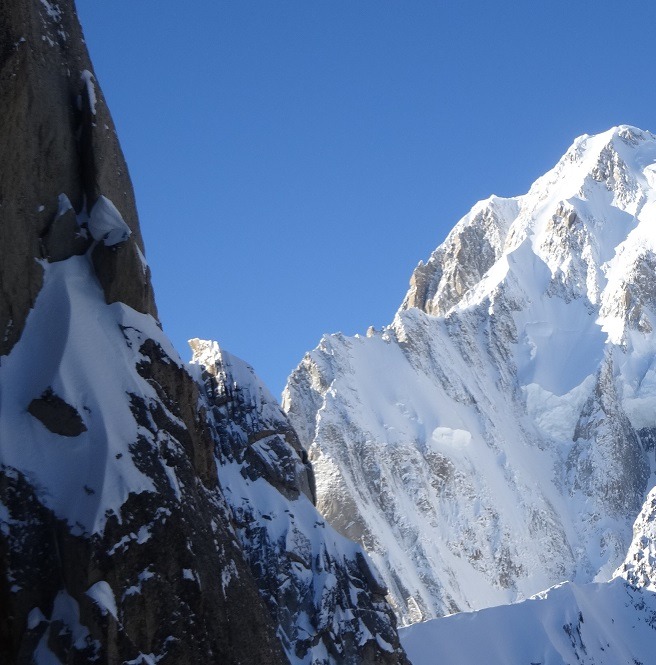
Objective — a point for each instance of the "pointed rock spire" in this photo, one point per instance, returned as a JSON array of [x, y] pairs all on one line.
[[57, 139]]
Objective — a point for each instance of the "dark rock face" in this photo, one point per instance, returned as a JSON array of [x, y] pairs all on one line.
[[64, 237], [127, 550], [159, 609], [57, 142], [164, 575], [179, 397], [58, 416]]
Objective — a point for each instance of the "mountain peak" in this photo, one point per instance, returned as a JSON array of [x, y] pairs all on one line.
[[627, 135], [589, 219], [503, 448]]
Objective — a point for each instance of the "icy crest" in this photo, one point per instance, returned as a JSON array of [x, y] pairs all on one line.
[[87, 78], [591, 624], [106, 223]]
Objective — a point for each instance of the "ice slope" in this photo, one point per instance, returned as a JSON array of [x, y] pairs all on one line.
[[497, 438], [608, 623]]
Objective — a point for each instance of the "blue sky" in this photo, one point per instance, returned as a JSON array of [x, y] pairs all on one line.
[[293, 160]]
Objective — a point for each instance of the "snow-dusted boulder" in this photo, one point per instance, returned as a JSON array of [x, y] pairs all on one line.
[[106, 224]]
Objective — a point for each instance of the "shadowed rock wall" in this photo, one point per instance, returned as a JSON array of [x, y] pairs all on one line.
[[55, 140]]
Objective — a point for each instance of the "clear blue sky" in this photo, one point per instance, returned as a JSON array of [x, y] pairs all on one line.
[[294, 159]]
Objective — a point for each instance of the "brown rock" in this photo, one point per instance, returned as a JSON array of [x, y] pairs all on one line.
[[64, 238], [53, 146], [124, 275]]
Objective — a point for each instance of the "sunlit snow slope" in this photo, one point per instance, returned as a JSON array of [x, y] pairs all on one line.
[[497, 438], [590, 624]]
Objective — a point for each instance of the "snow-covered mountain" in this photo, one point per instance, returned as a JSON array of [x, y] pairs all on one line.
[[604, 623], [326, 599], [150, 511], [498, 437], [607, 623]]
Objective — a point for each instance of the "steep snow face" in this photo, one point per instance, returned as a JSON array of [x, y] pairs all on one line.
[[327, 601], [592, 624], [70, 340], [497, 437]]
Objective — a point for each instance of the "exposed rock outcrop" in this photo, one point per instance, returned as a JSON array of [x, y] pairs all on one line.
[[59, 138], [607, 462], [320, 588], [58, 416]]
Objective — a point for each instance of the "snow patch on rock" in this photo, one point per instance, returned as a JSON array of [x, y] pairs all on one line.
[[87, 78], [106, 223], [101, 593]]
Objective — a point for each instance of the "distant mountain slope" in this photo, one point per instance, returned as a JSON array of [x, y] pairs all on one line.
[[498, 437], [609, 623], [591, 624], [135, 497]]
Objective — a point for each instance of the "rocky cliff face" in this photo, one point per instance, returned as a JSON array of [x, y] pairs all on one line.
[[119, 538], [59, 138], [497, 437], [326, 599]]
